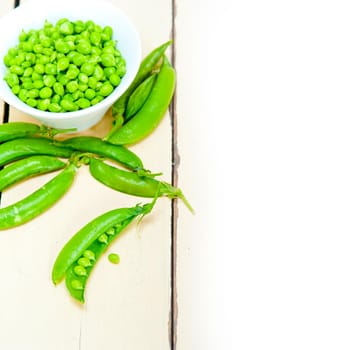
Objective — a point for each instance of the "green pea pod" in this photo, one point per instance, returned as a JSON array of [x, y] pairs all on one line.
[[24, 147], [132, 183], [146, 67], [27, 167], [150, 115], [139, 97], [15, 130], [86, 236], [39, 201], [95, 145]]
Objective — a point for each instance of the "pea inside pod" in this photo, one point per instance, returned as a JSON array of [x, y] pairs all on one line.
[[80, 254]]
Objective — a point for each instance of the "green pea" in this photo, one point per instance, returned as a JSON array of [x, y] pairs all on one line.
[[79, 26], [23, 36], [121, 70], [39, 68], [99, 73], [103, 238], [68, 97], [107, 33], [33, 93], [83, 103], [38, 84], [83, 87], [45, 92], [106, 89], [16, 70], [27, 46], [23, 95], [38, 48], [47, 51], [62, 46], [95, 51], [8, 60], [28, 84], [90, 94], [44, 59], [69, 106], [58, 88], [94, 59], [90, 255], [72, 86], [96, 100], [87, 68], [95, 38], [16, 89], [83, 78], [63, 79], [49, 80], [84, 262], [28, 72], [62, 64], [84, 47], [12, 79], [111, 231], [51, 69], [31, 102], [78, 59], [66, 28], [80, 270], [114, 79], [72, 72], [36, 75], [92, 82], [54, 107], [43, 104], [46, 42], [109, 71], [114, 258], [77, 285], [56, 99]]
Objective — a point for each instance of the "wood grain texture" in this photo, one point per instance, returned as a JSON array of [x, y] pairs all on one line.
[[127, 305]]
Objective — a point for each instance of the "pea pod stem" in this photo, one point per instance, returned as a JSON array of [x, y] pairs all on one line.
[[39, 201], [95, 145], [134, 184], [152, 112]]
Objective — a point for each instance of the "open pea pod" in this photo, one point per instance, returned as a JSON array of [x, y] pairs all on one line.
[[80, 254]]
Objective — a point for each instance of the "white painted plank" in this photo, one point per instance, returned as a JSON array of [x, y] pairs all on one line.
[[127, 305], [265, 262]]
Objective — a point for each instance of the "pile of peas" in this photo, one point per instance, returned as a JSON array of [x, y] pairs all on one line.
[[64, 67]]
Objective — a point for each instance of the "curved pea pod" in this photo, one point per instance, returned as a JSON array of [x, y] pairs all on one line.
[[132, 183], [95, 145], [147, 65], [80, 254], [28, 167], [39, 201], [139, 97], [24, 147], [150, 115], [14, 130]]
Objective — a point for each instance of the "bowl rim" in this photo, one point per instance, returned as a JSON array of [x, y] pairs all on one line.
[[10, 98]]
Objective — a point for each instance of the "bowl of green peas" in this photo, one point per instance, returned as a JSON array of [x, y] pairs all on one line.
[[66, 62]]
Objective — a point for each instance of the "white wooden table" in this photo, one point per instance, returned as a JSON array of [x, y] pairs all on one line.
[[129, 306]]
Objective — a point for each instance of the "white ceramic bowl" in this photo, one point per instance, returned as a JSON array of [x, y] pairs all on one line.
[[32, 15]]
